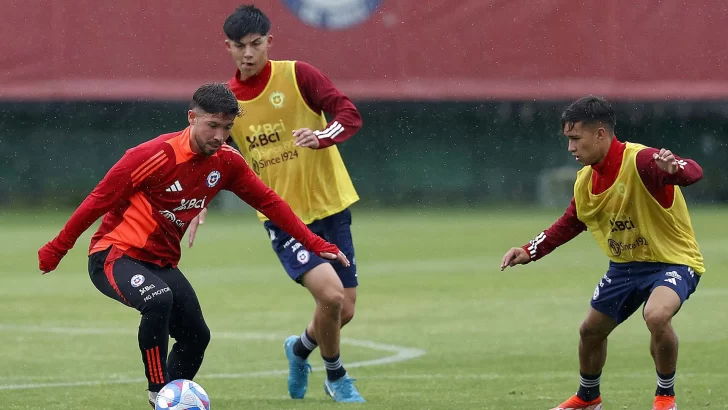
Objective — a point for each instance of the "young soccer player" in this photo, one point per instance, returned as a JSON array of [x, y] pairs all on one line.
[[628, 196], [292, 148], [148, 199]]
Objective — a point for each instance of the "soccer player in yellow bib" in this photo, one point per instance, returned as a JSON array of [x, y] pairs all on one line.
[[628, 196], [289, 144]]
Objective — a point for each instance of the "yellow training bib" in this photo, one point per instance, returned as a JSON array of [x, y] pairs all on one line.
[[315, 183], [630, 225]]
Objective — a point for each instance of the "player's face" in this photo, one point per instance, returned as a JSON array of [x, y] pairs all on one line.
[[587, 142], [209, 131], [250, 53]]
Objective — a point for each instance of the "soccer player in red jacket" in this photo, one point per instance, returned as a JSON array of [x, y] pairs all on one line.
[[148, 199], [628, 196]]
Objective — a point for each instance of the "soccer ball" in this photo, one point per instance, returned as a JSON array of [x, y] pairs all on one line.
[[182, 395]]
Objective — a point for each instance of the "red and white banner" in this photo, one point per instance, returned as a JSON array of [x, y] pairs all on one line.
[[374, 49]]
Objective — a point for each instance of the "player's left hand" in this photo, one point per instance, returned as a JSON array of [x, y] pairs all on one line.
[[339, 257], [196, 221], [666, 161], [306, 138], [49, 256]]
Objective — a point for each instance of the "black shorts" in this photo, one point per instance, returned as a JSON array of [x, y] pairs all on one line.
[[137, 283]]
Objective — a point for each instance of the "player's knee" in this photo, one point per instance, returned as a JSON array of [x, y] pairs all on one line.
[[588, 331], [657, 319], [202, 338], [347, 314], [331, 298]]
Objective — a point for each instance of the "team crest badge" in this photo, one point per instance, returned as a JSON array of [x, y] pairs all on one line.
[[213, 178], [277, 99], [303, 256], [137, 280], [333, 14]]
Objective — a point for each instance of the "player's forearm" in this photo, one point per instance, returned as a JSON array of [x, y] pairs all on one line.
[[262, 198], [91, 209], [281, 214], [563, 230], [345, 124], [283, 217], [688, 173]]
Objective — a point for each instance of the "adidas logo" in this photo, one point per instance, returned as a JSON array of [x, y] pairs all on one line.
[[176, 187]]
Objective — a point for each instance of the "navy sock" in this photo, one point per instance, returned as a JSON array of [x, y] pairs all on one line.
[[665, 384], [304, 345], [334, 369], [589, 386]]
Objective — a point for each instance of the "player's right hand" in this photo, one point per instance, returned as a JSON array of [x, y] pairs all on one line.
[[515, 256], [49, 256]]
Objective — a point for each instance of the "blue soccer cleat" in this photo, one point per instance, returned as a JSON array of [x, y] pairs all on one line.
[[343, 390], [298, 370]]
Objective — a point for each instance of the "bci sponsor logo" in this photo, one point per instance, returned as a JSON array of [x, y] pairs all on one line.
[[264, 134], [622, 225], [187, 204]]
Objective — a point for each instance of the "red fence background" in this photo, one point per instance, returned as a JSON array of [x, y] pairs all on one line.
[[405, 50]]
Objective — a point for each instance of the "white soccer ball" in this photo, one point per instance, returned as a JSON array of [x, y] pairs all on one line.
[[182, 395]]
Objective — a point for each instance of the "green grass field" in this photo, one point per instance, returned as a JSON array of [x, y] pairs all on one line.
[[438, 325]]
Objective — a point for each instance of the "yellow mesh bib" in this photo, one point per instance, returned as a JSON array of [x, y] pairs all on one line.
[[315, 183], [630, 225]]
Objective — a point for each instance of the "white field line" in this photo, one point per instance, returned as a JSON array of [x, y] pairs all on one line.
[[398, 354]]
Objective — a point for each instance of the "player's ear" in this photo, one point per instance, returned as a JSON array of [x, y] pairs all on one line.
[[191, 115], [270, 40], [601, 133], [227, 45]]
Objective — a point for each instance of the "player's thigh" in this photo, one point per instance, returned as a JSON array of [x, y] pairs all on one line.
[[187, 318], [618, 294], [127, 280], [337, 230], [295, 259], [681, 281]]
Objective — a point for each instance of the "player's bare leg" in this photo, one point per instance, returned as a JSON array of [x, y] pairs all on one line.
[[593, 335], [330, 295], [328, 292], [659, 310], [347, 312], [323, 331]]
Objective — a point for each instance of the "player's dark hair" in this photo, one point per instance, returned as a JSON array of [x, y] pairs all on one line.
[[215, 98], [589, 110], [246, 19]]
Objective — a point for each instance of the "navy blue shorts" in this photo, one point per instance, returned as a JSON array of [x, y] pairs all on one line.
[[626, 286], [297, 260]]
